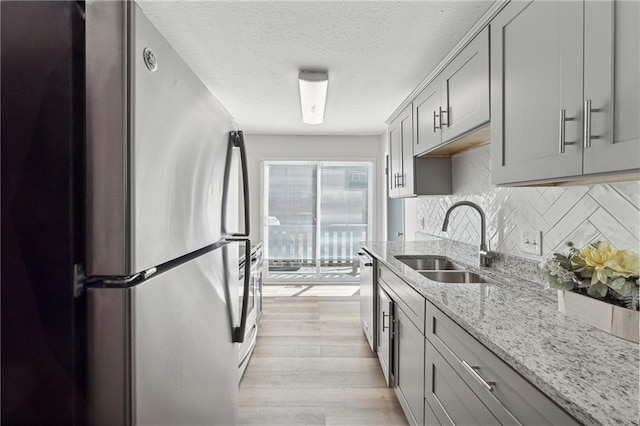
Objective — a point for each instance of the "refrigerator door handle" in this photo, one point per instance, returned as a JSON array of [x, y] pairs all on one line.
[[236, 139], [239, 332]]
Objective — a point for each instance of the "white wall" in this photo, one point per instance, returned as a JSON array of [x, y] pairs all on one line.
[[317, 148], [580, 213]]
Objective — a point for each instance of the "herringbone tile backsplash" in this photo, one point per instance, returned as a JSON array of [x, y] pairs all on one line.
[[580, 214]]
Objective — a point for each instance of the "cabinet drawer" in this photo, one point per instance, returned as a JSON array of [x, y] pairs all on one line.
[[509, 397], [451, 400], [409, 300]]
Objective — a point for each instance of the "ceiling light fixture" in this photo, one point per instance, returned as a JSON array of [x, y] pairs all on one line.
[[313, 95]]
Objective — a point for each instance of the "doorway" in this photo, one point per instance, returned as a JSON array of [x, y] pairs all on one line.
[[316, 214]]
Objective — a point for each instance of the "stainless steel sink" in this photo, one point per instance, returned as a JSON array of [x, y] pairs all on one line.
[[460, 277], [429, 263]]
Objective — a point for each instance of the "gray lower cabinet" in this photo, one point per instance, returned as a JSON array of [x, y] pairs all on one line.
[[448, 396], [465, 378], [384, 317], [564, 90], [441, 374], [409, 367]]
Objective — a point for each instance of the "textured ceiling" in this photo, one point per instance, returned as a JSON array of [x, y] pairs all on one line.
[[249, 53]]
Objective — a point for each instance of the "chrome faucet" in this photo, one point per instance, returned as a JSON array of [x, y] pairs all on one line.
[[485, 255]]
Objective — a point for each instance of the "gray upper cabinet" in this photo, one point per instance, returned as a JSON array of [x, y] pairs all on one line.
[[612, 86], [410, 176], [542, 55], [395, 158], [426, 110], [457, 100], [465, 89], [407, 185], [536, 83]]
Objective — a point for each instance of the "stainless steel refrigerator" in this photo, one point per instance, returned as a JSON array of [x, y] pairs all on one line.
[[162, 218]]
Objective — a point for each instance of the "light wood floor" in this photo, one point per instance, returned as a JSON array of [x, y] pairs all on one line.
[[312, 366]]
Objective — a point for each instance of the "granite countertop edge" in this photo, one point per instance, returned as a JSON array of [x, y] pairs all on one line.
[[566, 391]]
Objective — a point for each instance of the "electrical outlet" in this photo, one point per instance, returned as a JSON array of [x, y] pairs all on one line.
[[531, 242]]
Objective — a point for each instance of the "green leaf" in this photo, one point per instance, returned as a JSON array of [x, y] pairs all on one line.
[[554, 283], [626, 288], [587, 273], [617, 284], [562, 285], [598, 290]]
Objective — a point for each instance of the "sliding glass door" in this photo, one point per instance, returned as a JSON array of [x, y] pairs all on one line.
[[316, 213]]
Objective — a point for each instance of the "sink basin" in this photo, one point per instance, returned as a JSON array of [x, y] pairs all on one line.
[[460, 277], [429, 263]]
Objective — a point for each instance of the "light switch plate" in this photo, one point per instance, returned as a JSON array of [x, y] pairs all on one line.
[[531, 242]]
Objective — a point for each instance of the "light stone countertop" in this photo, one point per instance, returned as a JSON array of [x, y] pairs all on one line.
[[592, 375]]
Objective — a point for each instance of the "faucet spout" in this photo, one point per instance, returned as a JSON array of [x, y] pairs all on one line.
[[485, 255]]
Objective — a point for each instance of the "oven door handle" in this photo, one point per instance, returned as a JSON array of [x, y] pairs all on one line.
[[254, 336], [366, 260]]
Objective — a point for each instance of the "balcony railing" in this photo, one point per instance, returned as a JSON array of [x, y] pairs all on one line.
[[292, 246]]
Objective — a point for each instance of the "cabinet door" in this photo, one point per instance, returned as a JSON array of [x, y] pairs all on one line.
[[385, 316], [426, 117], [465, 89], [536, 73], [395, 158], [367, 303], [612, 85], [451, 400], [407, 184], [409, 379]]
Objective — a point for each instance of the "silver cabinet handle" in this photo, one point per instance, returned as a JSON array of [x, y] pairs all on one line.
[[384, 327], [434, 121], [394, 329], [445, 111], [487, 385], [561, 139], [401, 180], [586, 135], [399, 234]]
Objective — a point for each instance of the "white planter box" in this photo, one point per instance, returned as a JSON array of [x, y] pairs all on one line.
[[616, 320]]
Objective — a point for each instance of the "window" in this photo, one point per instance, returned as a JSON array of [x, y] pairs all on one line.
[[316, 213]]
